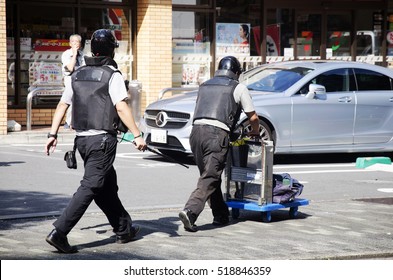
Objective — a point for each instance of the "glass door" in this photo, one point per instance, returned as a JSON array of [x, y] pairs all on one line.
[[191, 39]]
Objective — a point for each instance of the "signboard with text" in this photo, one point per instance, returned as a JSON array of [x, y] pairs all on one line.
[[51, 45]]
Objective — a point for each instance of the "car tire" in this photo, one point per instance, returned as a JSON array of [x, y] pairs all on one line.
[[264, 130]]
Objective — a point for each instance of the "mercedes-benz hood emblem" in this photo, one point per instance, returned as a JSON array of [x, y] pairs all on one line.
[[161, 119]]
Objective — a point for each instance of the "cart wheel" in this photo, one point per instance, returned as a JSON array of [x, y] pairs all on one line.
[[293, 212], [235, 213], [266, 217]]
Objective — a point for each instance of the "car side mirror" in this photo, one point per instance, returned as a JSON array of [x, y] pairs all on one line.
[[315, 89]]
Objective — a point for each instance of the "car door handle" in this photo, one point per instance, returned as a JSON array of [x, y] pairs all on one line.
[[345, 99], [391, 99]]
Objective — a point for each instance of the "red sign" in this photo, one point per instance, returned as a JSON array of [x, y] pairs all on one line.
[[272, 39], [51, 45]]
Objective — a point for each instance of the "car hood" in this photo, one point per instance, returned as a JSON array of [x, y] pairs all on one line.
[[184, 102], [264, 95]]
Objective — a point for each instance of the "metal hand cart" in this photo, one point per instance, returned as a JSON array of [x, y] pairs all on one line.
[[249, 181]]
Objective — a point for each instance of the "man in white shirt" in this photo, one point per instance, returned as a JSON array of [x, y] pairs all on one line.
[[71, 60]]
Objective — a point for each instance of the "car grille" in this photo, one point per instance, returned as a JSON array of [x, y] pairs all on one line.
[[173, 120]]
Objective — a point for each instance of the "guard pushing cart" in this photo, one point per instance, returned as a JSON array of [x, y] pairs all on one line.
[[250, 181]]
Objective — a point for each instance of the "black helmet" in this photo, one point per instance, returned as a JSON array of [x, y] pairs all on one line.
[[230, 63], [103, 43]]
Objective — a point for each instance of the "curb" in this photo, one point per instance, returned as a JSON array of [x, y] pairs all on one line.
[[35, 137]]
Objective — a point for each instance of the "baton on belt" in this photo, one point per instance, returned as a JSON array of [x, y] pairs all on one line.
[[156, 152]]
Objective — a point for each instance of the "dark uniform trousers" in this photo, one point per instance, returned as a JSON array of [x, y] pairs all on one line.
[[209, 145], [99, 183]]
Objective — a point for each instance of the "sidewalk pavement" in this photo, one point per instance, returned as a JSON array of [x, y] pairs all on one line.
[[324, 230], [344, 229], [37, 135]]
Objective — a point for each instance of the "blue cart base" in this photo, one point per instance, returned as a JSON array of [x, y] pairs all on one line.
[[236, 205]]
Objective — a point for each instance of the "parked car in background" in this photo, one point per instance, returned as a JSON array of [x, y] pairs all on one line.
[[303, 107]]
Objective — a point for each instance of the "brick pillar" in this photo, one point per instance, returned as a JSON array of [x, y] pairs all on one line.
[[3, 70], [154, 47]]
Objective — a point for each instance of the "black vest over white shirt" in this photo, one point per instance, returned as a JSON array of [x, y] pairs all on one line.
[[216, 101], [92, 104]]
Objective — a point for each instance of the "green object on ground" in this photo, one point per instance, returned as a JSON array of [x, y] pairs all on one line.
[[367, 161]]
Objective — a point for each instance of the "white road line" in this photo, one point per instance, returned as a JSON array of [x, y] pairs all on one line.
[[332, 171], [381, 167], [315, 165], [137, 155], [386, 190]]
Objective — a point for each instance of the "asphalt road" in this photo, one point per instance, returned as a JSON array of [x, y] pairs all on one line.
[[350, 215], [34, 183]]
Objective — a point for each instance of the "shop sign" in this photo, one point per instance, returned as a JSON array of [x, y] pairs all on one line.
[[112, 21], [389, 37], [272, 39], [45, 73], [51, 45]]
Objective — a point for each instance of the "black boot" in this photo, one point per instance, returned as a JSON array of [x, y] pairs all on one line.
[[129, 236], [60, 242], [126, 231]]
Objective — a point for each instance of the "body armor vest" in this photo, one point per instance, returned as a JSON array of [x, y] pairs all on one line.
[[215, 101], [92, 104]]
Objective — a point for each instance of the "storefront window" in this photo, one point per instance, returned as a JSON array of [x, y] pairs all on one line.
[[105, 1], [43, 36], [191, 39], [114, 19], [239, 22], [338, 35], [309, 34], [389, 35], [12, 79], [282, 31], [192, 2]]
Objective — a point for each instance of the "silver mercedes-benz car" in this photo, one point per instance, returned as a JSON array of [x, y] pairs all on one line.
[[303, 107]]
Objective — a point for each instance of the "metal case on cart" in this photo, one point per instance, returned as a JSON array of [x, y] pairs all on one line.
[[249, 180]]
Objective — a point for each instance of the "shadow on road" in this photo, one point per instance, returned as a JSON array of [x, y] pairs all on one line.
[[284, 159], [14, 203]]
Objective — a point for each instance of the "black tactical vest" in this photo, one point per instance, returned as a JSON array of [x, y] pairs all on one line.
[[215, 101], [92, 105]]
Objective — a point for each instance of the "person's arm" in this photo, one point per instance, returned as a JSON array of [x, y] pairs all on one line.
[[71, 64], [118, 93], [126, 117], [69, 59], [242, 93], [57, 118], [254, 122]]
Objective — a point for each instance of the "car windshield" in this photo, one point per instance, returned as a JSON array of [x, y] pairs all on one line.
[[273, 79]]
